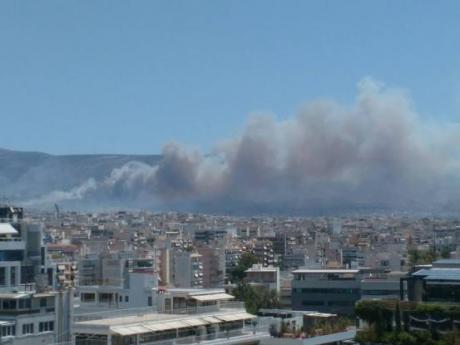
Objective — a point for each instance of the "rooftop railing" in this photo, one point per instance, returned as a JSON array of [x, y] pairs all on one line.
[[219, 337], [86, 314]]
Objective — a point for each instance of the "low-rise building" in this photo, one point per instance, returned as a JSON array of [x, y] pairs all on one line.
[[439, 282], [263, 276], [326, 290], [175, 325]]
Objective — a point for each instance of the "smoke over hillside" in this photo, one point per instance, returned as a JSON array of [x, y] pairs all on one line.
[[376, 152]]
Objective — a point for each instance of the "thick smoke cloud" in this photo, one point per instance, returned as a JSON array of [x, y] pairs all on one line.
[[375, 153]]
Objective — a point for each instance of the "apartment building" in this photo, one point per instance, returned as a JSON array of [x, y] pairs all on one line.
[[261, 276], [187, 270], [115, 281], [219, 325], [31, 311], [213, 260]]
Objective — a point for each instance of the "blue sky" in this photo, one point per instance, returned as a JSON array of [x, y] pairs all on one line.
[[128, 76]]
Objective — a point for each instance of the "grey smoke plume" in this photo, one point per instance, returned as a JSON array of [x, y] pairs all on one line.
[[376, 152], [76, 193]]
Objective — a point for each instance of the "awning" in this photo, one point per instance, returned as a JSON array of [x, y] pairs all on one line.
[[129, 330], [121, 330], [45, 294], [7, 229], [6, 323], [13, 295], [212, 297], [236, 317], [164, 326], [211, 319], [195, 322]]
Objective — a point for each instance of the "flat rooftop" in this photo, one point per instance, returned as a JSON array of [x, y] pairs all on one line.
[[155, 322], [331, 271], [447, 274]]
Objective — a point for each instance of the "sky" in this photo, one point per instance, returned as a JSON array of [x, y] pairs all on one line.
[[129, 77]]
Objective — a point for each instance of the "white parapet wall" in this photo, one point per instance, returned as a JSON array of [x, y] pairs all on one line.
[[319, 340]]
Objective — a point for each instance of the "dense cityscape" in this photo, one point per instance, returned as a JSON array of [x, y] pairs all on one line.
[[174, 278]]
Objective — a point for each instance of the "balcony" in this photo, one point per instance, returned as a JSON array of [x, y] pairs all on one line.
[[12, 244]]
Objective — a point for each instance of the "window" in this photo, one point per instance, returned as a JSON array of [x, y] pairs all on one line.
[[9, 304], [341, 303], [126, 298], [312, 303], [2, 276], [43, 302], [47, 326], [121, 298], [105, 297], [330, 291], [149, 301], [88, 297], [8, 331], [28, 328], [13, 276], [24, 303], [380, 292]]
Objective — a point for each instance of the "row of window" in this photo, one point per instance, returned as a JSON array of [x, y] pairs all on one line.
[[23, 303], [103, 297], [121, 299], [8, 331], [324, 276], [28, 328], [3, 276], [326, 291], [47, 326], [380, 292], [311, 303]]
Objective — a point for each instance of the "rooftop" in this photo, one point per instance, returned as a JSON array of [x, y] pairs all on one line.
[[447, 262], [331, 271], [152, 322], [261, 268], [450, 274]]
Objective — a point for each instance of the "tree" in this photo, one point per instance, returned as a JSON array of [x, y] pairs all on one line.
[[376, 314], [256, 298], [246, 261], [421, 257], [398, 318], [445, 252]]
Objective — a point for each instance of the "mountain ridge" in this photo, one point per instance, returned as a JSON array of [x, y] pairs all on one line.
[[29, 174]]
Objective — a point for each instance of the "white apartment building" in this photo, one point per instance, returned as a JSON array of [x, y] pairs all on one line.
[[117, 283], [267, 277], [221, 325], [31, 311]]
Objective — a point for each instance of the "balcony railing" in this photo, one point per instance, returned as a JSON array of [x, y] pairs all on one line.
[[219, 337], [86, 316], [206, 309]]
